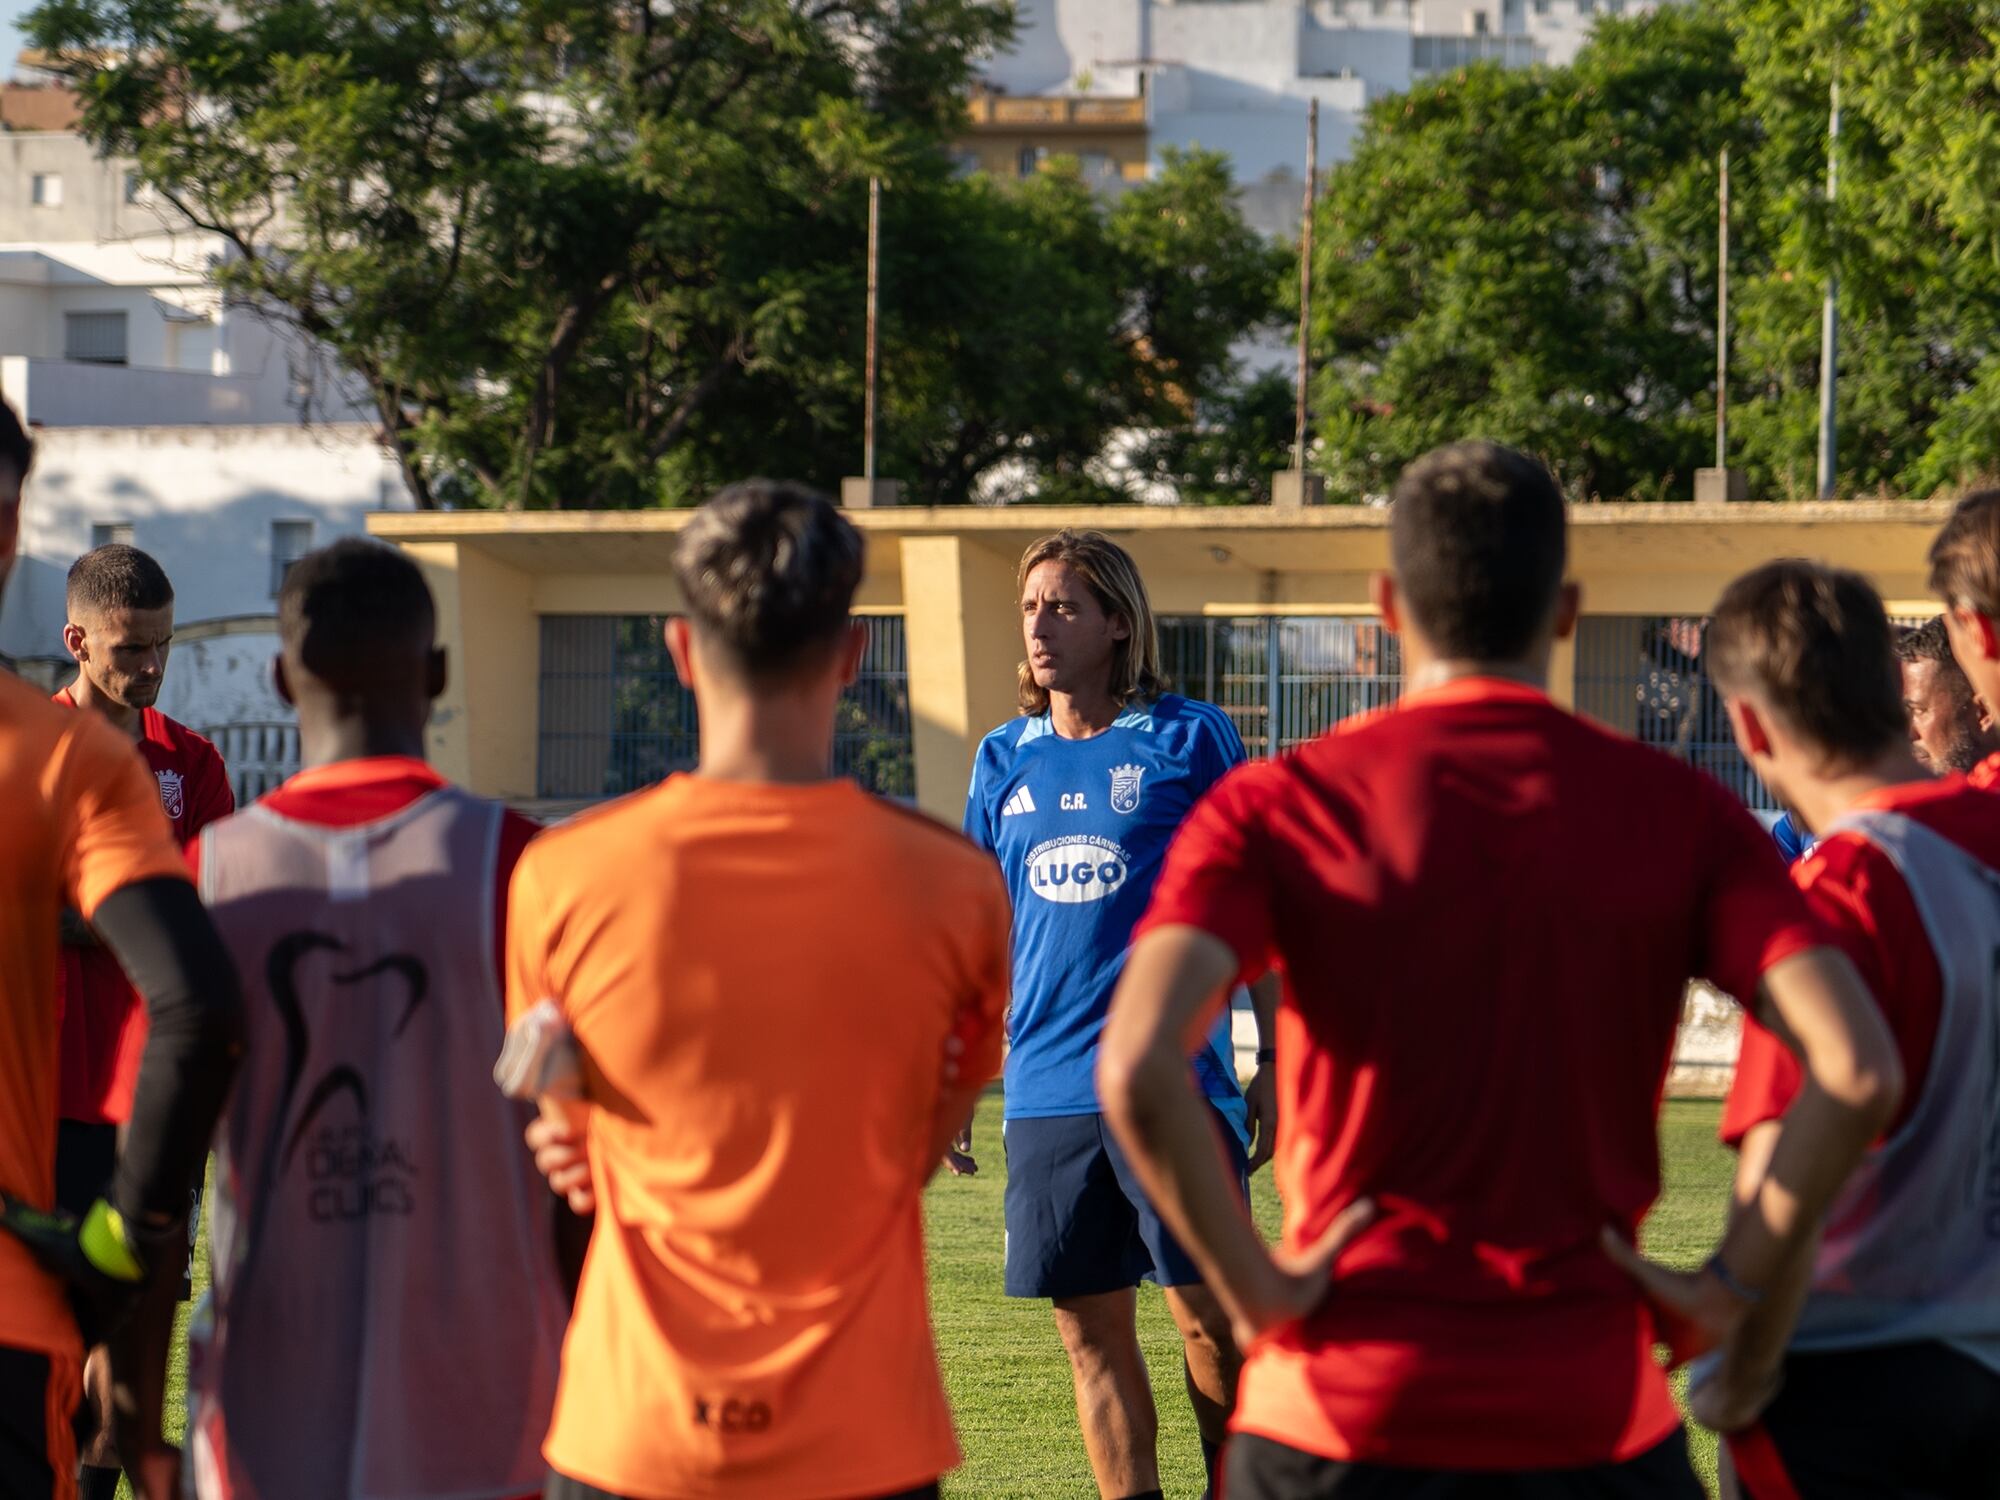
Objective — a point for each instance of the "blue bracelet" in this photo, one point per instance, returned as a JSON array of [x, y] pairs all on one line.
[[1730, 1284]]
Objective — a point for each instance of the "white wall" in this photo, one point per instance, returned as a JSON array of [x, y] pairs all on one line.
[[200, 499]]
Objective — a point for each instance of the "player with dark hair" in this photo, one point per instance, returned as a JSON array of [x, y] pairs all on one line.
[[387, 1306], [121, 622], [83, 830], [787, 995], [1951, 730], [1079, 798], [1457, 1307], [1891, 1383]]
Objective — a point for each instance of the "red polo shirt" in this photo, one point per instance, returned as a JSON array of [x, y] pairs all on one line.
[[103, 1021], [1486, 910]]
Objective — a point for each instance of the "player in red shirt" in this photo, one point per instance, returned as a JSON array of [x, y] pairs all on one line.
[[121, 622], [1482, 990], [1890, 1383]]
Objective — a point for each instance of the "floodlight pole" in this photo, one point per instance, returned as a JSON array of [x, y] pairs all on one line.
[[1829, 329], [1306, 282], [874, 266], [1722, 317]]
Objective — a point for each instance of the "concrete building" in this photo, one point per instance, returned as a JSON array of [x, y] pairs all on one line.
[[1116, 82], [172, 418], [560, 690]]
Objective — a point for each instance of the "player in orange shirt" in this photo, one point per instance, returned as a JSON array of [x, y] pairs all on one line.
[[787, 995], [84, 829]]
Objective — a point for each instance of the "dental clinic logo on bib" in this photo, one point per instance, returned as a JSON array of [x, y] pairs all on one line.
[[1125, 788], [1076, 869], [171, 797]]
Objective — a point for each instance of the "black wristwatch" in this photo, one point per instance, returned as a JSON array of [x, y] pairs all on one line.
[[1266, 1055]]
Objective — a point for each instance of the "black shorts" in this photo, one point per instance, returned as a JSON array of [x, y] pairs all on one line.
[[1255, 1468], [1910, 1419], [86, 1156], [562, 1487], [1078, 1223], [38, 1397]]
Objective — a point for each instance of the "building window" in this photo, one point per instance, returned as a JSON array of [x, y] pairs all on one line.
[[133, 187], [110, 533], [45, 190], [290, 541], [1030, 161], [95, 338]]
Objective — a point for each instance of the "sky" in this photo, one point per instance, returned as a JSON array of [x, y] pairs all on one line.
[[11, 12]]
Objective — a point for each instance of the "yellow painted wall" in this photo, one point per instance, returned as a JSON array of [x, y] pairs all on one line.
[[951, 574]]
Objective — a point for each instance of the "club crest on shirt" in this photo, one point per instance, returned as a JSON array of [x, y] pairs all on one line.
[[171, 794], [1125, 788]]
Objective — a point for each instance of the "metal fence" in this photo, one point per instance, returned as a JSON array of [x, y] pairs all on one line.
[[258, 756], [1286, 679], [1647, 676], [615, 718]]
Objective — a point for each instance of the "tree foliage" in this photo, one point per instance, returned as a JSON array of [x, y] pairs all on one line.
[[1531, 255], [595, 253]]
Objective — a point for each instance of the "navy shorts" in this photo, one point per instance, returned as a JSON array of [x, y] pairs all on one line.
[[1077, 1222]]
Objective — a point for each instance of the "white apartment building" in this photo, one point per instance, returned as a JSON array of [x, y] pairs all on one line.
[[165, 416], [1236, 76]]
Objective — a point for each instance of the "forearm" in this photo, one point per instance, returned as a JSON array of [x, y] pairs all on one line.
[[1266, 995], [169, 949], [139, 1363], [1756, 1351], [1819, 1143], [1159, 1118], [954, 1112]]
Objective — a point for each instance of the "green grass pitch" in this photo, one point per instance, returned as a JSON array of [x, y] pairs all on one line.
[[1009, 1380]]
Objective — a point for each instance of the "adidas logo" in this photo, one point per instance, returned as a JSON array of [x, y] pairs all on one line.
[[1022, 801]]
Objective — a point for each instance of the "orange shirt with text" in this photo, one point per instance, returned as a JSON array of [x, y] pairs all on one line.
[[82, 821], [763, 980]]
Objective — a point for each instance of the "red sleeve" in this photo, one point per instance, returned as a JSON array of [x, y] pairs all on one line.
[[214, 798], [1216, 875], [1753, 917], [516, 830], [1864, 908]]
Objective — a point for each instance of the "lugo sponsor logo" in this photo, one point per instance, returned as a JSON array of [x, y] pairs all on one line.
[[1079, 868]]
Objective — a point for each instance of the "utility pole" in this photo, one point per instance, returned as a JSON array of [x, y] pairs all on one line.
[[1722, 317], [1294, 486], [1721, 482], [1306, 282], [865, 490], [1829, 328], [874, 297]]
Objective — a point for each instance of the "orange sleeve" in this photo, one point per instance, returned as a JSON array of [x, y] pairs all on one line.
[[526, 940], [113, 831]]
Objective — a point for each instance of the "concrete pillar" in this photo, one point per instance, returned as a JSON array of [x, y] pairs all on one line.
[[870, 494], [1293, 489], [483, 730], [1721, 484], [963, 628]]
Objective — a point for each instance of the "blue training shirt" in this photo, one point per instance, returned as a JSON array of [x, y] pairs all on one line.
[[1081, 828]]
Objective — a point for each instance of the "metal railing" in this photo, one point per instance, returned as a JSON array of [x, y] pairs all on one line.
[[258, 755], [1283, 680], [615, 717]]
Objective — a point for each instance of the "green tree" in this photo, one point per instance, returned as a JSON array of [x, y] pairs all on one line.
[[546, 234], [1529, 255], [597, 254]]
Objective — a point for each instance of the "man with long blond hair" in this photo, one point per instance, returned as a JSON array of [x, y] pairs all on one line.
[[1078, 799]]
